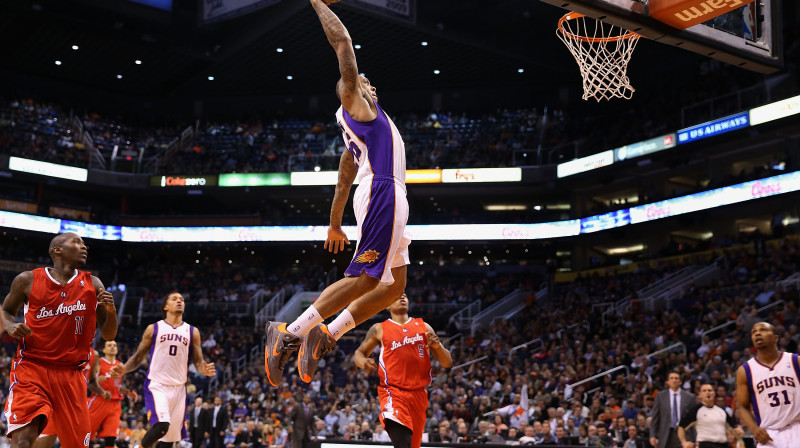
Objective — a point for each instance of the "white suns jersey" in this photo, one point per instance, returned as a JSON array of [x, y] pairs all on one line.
[[377, 147], [170, 353], [774, 391]]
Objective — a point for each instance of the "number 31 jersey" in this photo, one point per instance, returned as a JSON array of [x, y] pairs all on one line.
[[404, 359], [774, 391], [169, 353]]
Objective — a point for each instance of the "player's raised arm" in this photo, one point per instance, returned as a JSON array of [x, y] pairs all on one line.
[[202, 367], [17, 296], [745, 410], [350, 92], [362, 357], [137, 358], [437, 349], [106, 311]]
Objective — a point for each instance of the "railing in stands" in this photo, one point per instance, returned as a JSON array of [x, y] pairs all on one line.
[[96, 159], [525, 345], [463, 318]]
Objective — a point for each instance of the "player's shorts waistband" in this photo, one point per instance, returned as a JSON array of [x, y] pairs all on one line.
[[387, 178], [49, 364]]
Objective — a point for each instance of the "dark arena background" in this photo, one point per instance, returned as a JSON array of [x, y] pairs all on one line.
[[579, 249]]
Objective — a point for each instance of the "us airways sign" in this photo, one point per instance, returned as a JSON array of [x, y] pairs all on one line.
[[183, 181]]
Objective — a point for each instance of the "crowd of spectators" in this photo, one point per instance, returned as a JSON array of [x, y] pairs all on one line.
[[443, 139], [479, 403]]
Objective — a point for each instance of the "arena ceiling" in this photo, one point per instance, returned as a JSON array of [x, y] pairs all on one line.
[[474, 44]]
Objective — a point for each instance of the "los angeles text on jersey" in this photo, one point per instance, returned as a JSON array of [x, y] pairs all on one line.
[[174, 337], [774, 382], [406, 340], [44, 313]]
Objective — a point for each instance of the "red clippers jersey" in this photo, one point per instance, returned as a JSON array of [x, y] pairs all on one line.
[[87, 368], [404, 361], [62, 319], [105, 380]]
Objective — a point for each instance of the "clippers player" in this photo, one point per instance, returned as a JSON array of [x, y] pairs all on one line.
[[404, 368], [172, 344], [376, 277], [105, 410], [48, 436], [62, 307], [768, 391]]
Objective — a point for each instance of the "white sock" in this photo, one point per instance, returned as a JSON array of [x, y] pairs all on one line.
[[303, 324], [343, 323]]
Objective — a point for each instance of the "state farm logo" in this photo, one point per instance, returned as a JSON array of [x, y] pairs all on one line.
[[654, 212], [464, 176], [758, 190], [179, 181]]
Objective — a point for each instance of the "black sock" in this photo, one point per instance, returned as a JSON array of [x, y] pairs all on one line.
[[156, 432]]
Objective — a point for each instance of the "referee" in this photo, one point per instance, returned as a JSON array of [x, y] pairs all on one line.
[[711, 421]]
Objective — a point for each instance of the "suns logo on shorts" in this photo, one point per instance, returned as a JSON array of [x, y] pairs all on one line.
[[368, 256]]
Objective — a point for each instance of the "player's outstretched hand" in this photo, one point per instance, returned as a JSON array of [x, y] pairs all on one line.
[[117, 371], [209, 369], [105, 298], [762, 436], [369, 366], [433, 340], [336, 241], [18, 330]]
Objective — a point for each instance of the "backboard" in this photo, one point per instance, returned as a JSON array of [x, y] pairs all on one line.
[[748, 37]]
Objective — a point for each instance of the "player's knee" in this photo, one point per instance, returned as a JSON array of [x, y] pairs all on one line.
[[109, 442]]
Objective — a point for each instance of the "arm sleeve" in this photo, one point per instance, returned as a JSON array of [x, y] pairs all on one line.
[[690, 417]]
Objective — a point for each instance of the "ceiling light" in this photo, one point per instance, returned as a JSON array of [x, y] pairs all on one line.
[[504, 207], [75, 47], [210, 78], [289, 77], [357, 46], [424, 44], [436, 72], [119, 76], [279, 50], [537, 207], [58, 62], [138, 62], [521, 70]]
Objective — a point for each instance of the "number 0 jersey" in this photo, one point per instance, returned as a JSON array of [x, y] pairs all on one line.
[[774, 391], [62, 319], [169, 353], [405, 362]]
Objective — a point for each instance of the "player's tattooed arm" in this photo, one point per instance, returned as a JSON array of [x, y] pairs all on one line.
[[347, 175], [106, 311], [202, 367], [362, 357], [17, 296], [337, 239], [437, 349], [138, 357], [340, 40]]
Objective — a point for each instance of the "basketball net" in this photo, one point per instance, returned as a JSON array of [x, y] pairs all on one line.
[[602, 52]]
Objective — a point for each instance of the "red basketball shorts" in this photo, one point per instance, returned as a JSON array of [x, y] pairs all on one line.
[[407, 407], [58, 395], [104, 416]]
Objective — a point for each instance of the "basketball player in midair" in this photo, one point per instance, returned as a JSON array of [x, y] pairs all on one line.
[[62, 307], [47, 438], [376, 277], [768, 391], [404, 368], [171, 343]]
